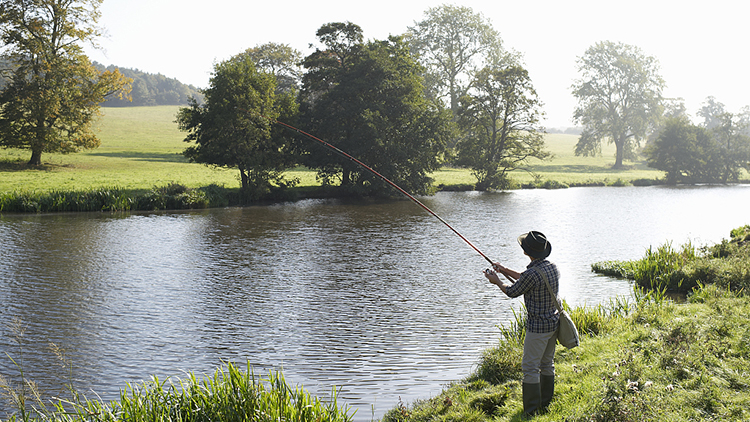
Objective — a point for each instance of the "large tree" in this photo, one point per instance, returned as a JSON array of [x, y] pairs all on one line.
[[732, 147], [234, 127], [619, 98], [500, 116], [681, 149], [711, 111], [54, 92], [368, 100], [694, 154], [452, 42]]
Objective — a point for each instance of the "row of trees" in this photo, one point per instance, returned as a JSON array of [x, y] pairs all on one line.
[[620, 99], [446, 91], [382, 101], [148, 89]]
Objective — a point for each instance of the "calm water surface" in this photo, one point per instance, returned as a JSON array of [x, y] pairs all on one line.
[[378, 299]]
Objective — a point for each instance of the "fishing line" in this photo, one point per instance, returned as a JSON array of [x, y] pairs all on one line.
[[385, 179]]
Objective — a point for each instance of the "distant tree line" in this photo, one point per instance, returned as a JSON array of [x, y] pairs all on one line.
[[148, 89], [444, 92]]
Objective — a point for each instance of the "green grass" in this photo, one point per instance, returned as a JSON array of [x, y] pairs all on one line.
[[566, 168], [230, 395], [640, 359], [142, 148], [726, 265], [650, 359]]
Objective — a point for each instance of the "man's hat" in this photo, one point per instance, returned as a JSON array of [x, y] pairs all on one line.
[[535, 244]]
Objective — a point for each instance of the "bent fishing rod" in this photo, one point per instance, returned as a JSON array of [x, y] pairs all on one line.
[[385, 179]]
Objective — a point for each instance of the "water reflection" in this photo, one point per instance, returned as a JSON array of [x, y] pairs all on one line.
[[378, 298]]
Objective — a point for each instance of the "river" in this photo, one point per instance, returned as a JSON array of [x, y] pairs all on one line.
[[376, 298]]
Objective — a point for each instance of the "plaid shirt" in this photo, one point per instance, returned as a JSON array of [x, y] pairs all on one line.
[[543, 316]]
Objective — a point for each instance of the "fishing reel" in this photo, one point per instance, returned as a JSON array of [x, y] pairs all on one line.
[[489, 271]]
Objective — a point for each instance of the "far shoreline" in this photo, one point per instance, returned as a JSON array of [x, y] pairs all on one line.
[[177, 197]]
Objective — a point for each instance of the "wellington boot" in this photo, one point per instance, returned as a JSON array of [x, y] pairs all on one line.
[[548, 390], [531, 398]]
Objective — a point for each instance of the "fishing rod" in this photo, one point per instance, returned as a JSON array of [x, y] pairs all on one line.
[[385, 179]]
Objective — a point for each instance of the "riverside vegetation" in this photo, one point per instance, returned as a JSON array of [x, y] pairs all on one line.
[[645, 358], [139, 166]]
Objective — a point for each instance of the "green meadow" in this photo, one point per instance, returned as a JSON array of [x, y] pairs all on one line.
[[141, 147]]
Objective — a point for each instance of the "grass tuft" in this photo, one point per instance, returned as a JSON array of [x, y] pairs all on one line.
[[726, 264], [230, 395]]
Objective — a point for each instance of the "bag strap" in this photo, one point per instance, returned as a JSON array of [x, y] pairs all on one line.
[[549, 288]]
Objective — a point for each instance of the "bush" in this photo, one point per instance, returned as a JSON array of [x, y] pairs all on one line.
[[647, 182], [173, 197], [547, 184], [620, 183]]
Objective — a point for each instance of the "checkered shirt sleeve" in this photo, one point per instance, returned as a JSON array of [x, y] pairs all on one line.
[[542, 313]]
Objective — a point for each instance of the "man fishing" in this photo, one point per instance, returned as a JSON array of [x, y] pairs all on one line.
[[543, 318]]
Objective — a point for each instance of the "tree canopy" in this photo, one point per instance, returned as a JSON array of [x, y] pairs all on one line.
[[681, 150], [54, 91], [619, 98], [501, 118], [688, 153], [368, 100], [234, 128], [452, 42], [280, 60]]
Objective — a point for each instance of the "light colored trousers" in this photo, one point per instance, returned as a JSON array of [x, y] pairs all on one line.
[[538, 356]]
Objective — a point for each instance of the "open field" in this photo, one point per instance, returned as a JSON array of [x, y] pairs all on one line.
[[141, 148]]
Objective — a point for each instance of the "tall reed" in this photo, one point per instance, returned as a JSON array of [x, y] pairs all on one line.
[[230, 395]]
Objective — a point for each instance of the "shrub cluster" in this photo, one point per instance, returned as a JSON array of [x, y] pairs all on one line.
[[170, 197]]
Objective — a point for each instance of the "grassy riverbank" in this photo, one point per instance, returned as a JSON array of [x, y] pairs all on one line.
[[726, 265], [142, 148], [652, 360], [647, 359]]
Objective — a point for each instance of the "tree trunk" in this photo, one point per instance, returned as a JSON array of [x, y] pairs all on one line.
[[36, 158], [245, 179], [620, 145], [345, 177]]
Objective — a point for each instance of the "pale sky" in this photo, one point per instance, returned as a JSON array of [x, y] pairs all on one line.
[[703, 49]]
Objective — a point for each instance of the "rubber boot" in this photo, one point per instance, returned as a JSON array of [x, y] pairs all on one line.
[[548, 390], [531, 398]]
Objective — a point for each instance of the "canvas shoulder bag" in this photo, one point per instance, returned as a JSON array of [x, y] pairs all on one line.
[[567, 334]]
